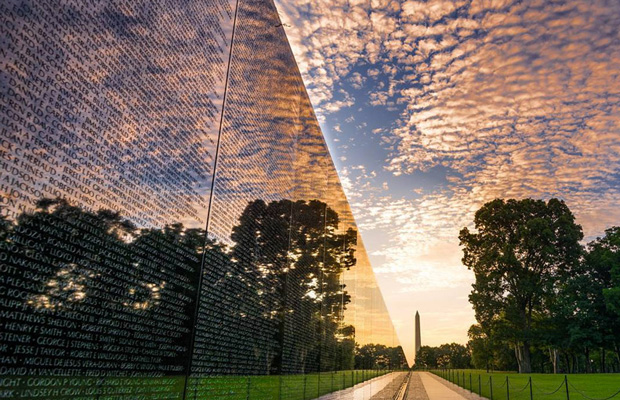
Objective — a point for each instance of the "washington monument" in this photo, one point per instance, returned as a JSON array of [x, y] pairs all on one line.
[[418, 339]]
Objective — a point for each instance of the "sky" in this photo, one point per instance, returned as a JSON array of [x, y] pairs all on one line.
[[432, 108]]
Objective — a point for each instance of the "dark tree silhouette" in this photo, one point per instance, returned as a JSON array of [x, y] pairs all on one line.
[[97, 287], [379, 356], [275, 294], [272, 301]]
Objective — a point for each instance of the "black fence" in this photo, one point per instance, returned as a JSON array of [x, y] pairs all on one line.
[[520, 387]]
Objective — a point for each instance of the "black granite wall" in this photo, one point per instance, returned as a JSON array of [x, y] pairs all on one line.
[[172, 223]]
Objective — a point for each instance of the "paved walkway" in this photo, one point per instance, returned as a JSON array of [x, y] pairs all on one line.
[[463, 392], [436, 389], [364, 390], [415, 389], [392, 389], [421, 386]]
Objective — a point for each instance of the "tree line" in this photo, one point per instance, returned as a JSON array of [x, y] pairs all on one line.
[[449, 355], [543, 301], [379, 356]]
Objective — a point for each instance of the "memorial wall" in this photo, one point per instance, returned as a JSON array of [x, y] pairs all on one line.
[[172, 225]]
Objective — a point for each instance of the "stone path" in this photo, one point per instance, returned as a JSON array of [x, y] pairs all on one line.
[[421, 386], [436, 389], [463, 392], [415, 390], [391, 389], [365, 390]]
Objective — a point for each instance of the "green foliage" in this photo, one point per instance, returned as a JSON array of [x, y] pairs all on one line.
[[426, 357], [604, 258], [449, 355], [539, 293], [378, 356], [519, 252], [480, 347]]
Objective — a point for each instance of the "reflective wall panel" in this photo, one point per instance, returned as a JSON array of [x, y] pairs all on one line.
[[172, 223]]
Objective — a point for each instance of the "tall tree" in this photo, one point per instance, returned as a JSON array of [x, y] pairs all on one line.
[[603, 265], [518, 252], [480, 347], [426, 357]]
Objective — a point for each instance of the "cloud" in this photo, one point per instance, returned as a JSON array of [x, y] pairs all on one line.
[[357, 80], [419, 11], [512, 98], [528, 108]]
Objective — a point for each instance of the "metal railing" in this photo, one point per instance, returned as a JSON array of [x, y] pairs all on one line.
[[465, 380]]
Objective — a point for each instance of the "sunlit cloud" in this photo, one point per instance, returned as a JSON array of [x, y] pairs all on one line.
[[510, 98]]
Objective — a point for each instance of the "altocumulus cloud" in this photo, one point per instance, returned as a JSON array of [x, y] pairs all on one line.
[[511, 98]]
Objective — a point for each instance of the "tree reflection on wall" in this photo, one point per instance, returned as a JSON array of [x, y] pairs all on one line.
[[128, 295], [282, 276], [93, 282]]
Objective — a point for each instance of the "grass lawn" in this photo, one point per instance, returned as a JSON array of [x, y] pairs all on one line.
[[285, 387], [544, 386], [255, 387]]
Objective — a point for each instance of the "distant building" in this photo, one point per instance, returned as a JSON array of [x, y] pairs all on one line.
[[418, 339]]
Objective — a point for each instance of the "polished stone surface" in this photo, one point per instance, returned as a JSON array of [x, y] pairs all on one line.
[[172, 221]]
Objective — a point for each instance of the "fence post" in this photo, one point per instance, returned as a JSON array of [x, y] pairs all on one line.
[[531, 394], [479, 385], [458, 379], [280, 389], [305, 381], [247, 396], [507, 388], [566, 384], [491, 386], [332, 382]]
